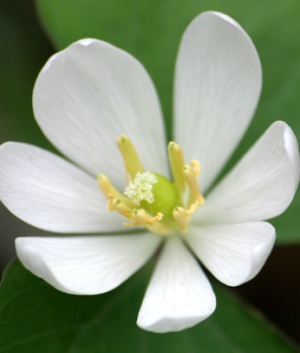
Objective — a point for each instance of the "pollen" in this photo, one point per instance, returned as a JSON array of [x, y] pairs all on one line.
[[151, 200], [140, 188]]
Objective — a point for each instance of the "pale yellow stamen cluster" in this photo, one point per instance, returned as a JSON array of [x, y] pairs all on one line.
[[140, 195]]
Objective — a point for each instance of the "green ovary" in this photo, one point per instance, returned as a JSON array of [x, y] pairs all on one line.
[[166, 198]]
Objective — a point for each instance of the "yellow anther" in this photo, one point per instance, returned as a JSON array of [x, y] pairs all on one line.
[[131, 159], [141, 218], [195, 166], [106, 186], [182, 216], [115, 204], [191, 173], [177, 163], [111, 193]]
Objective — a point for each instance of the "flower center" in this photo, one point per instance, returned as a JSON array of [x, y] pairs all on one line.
[[151, 200]]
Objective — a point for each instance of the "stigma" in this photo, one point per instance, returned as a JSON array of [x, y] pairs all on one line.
[[151, 200]]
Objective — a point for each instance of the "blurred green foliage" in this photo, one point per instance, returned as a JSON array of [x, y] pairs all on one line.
[[36, 318]]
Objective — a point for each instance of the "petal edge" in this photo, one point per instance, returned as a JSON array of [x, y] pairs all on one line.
[[261, 185], [50, 193], [217, 85], [233, 253], [97, 92], [86, 265]]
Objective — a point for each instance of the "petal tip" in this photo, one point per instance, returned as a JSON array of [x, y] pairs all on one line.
[[86, 41], [260, 253], [290, 144], [218, 16], [174, 324]]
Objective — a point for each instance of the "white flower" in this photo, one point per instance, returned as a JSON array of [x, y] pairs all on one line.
[[91, 94]]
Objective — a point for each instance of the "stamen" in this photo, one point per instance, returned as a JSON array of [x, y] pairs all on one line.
[[115, 204], [126, 207], [182, 216], [142, 219], [177, 163], [131, 159], [111, 193], [191, 173], [151, 200]]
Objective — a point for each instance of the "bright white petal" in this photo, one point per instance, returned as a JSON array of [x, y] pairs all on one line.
[[50, 193], [179, 295], [88, 95], [263, 183], [86, 265], [233, 253], [218, 83]]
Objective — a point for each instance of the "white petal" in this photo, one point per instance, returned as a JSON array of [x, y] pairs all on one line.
[[50, 193], [179, 295], [86, 265], [234, 253], [218, 83], [88, 95], [263, 183]]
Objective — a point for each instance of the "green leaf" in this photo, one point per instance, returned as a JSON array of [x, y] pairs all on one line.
[[36, 318], [151, 31], [25, 51]]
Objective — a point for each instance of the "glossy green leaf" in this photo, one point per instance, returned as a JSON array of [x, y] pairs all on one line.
[[151, 31], [36, 318], [24, 51]]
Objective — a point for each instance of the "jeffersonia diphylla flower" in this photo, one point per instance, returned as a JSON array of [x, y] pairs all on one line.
[[98, 106]]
